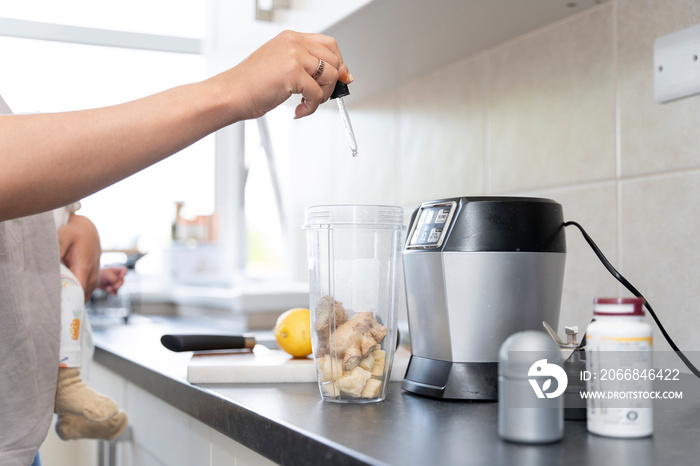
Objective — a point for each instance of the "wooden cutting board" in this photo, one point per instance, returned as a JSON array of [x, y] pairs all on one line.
[[263, 365]]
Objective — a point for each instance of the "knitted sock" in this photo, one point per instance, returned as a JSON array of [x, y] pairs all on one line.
[[73, 427], [74, 397]]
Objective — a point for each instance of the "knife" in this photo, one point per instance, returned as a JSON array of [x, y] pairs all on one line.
[[181, 343]]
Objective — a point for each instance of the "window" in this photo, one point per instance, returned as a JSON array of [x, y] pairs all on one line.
[[264, 217], [182, 18], [60, 73], [76, 54]]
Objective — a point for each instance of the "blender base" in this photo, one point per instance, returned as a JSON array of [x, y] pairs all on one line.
[[452, 380]]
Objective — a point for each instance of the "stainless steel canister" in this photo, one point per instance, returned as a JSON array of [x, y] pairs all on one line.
[[531, 384]]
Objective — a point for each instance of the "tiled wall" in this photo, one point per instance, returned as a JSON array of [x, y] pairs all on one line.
[[565, 112]]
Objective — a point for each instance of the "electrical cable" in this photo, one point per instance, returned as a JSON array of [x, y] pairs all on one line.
[[636, 293]]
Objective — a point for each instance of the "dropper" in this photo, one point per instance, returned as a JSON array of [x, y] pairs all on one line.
[[340, 91]]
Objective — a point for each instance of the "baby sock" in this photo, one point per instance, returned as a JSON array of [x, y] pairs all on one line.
[[74, 397], [73, 427]]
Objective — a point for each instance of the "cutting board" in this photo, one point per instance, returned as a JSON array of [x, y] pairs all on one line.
[[263, 365]]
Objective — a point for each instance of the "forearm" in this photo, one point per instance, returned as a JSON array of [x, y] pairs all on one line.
[[49, 160]]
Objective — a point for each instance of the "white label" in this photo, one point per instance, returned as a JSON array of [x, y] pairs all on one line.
[[618, 385], [615, 308]]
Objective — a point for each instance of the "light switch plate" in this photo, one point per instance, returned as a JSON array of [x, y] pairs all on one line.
[[677, 65]]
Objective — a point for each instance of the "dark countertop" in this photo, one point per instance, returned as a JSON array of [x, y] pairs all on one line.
[[405, 429]]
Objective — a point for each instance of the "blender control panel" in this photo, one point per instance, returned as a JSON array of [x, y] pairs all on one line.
[[431, 225]]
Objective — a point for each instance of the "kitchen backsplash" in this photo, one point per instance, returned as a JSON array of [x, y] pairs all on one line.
[[566, 112]]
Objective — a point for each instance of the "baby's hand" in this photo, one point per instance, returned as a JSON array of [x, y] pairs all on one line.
[[111, 279]]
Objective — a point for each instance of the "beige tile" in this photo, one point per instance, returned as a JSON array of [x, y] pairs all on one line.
[[594, 207], [653, 137], [320, 168], [661, 221], [371, 177], [551, 105], [440, 149], [305, 149]]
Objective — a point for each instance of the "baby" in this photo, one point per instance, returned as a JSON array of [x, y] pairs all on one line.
[[82, 412]]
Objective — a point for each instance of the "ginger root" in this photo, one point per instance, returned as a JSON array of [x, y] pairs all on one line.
[[327, 319], [357, 338], [323, 315]]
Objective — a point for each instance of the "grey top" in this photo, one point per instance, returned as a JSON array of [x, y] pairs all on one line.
[[29, 332]]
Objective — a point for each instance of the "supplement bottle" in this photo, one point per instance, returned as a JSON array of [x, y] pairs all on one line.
[[619, 369]]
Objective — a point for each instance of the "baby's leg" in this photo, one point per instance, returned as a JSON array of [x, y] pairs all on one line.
[[72, 319], [72, 395]]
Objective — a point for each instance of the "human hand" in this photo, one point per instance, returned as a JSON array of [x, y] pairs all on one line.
[[282, 67], [111, 279], [79, 246]]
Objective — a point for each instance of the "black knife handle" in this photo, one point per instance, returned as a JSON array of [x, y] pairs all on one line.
[[206, 342]]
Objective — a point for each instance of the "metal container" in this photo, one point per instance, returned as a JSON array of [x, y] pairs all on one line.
[[531, 405], [477, 270]]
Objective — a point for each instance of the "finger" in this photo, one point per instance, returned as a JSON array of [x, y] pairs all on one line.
[[325, 75], [109, 290], [317, 51], [118, 282], [327, 81], [330, 58], [312, 97], [316, 91], [330, 44]]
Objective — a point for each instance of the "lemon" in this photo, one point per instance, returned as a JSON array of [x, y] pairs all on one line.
[[293, 332]]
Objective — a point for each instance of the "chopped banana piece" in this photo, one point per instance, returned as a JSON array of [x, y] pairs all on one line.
[[372, 388], [378, 368], [355, 380], [367, 363], [329, 368], [331, 389]]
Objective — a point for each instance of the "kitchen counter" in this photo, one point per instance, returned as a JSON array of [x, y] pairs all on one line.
[[289, 424]]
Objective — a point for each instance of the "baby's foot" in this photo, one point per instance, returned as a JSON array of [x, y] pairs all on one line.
[[73, 426], [74, 397]]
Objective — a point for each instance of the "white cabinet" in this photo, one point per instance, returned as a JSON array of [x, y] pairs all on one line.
[[388, 42], [162, 435], [234, 32]]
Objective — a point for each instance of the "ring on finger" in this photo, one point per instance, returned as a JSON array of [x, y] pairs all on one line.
[[319, 70]]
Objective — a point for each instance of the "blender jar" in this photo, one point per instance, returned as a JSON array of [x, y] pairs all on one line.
[[353, 255]]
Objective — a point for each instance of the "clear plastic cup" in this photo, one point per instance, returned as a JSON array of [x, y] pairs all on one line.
[[353, 254]]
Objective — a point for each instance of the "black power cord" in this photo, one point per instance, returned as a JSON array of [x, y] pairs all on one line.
[[636, 293]]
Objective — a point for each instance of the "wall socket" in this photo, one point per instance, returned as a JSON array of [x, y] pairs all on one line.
[[677, 65]]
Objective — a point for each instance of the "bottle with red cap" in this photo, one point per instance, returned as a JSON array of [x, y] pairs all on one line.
[[619, 370]]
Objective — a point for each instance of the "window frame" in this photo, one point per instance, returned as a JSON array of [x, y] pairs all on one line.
[[229, 147], [102, 37]]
